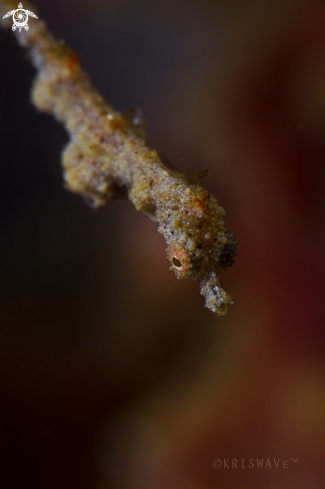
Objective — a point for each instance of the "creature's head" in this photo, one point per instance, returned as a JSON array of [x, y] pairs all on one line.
[[198, 244]]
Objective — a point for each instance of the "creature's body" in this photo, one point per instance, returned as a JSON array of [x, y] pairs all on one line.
[[20, 18], [107, 157]]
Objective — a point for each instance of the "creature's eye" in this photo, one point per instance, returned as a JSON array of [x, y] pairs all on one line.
[[176, 262]]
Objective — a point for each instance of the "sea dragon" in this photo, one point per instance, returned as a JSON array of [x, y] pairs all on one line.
[[107, 158]]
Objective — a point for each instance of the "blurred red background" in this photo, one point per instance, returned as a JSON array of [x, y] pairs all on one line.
[[113, 374]]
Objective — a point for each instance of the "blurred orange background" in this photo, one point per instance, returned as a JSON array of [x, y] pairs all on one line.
[[113, 374]]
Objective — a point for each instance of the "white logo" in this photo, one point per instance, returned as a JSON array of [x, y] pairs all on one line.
[[20, 18]]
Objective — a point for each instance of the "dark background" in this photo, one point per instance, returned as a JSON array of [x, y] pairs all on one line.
[[113, 374]]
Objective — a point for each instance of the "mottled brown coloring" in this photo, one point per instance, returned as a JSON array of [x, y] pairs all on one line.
[[107, 153]]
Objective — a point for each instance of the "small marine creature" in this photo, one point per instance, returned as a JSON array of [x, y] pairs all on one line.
[[107, 155], [20, 18]]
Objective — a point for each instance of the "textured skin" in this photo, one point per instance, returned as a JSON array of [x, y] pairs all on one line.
[[106, 158]]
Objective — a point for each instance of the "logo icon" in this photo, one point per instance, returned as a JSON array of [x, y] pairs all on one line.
[[20, 18]]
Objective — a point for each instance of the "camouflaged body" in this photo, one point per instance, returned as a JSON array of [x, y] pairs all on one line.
[[107, 158]]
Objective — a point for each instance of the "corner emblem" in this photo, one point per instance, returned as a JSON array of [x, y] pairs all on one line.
[[20, 18]]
